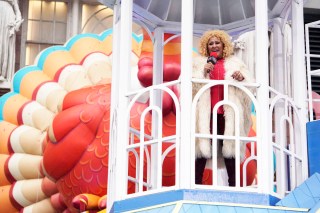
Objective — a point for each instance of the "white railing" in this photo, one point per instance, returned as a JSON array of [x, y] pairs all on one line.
[[146, 177], [146, 171], [313, 99], [288, 143], [251, 157], [146, 147]]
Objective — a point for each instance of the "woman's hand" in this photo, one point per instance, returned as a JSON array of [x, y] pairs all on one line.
[[237, 76], [208, 67]]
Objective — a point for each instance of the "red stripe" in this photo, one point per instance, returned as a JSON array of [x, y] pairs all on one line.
[[19, 116], [13, 201], [10, 149], [35, 92], [57, 75], [82, 61], [7, 172]]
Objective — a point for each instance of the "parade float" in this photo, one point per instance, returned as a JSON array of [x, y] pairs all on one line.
[[106, 122]]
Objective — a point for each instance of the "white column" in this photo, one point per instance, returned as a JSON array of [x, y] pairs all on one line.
[[186, 93], [299, 77], [156, 168], [158, 56], [112, 175], [119, 124], [262, 76], [124, 81], [279, 82], [75, 17], [278, 56]]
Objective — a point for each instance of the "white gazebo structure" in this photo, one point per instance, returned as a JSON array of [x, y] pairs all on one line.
[[279, 98]]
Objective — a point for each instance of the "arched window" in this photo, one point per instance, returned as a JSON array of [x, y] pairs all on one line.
[[96, 18]]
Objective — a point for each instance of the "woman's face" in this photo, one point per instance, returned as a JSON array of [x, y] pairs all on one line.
[[215, 45]]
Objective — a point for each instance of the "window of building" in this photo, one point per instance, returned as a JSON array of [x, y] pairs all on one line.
[[47, 26], [96, 18], [48, 23]]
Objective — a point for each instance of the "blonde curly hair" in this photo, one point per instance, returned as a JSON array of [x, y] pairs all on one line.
[[220, 34]]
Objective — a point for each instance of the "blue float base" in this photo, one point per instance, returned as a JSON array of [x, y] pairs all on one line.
[[313, 133], [194, 195]]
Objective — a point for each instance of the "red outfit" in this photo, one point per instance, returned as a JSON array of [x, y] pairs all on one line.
[[217, 91]]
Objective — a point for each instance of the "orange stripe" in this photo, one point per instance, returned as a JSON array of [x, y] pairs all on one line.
[[87, 45], [136, 47], [6, 129], [55, 61], [169, 49], [12, 107], [107, 45], [31, 81], [6, 205]]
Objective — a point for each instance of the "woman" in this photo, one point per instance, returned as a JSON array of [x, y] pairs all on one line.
[[230, 68]]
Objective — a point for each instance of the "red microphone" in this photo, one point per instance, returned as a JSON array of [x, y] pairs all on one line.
[[212, 58]]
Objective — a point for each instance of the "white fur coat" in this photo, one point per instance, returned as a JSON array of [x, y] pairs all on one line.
[[236, 96]]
